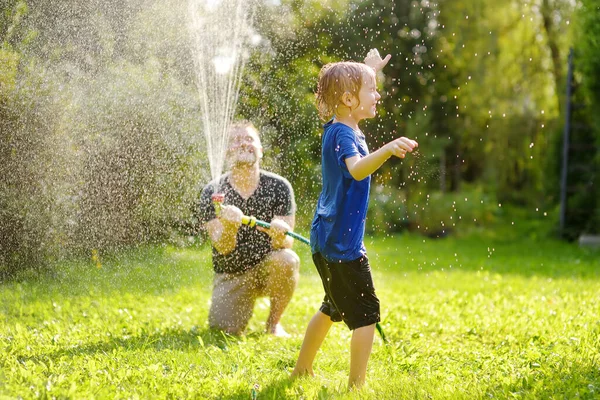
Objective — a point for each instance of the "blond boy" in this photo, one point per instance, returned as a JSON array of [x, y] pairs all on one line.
[[346, 94]]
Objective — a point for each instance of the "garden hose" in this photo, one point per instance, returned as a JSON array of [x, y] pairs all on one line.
[[251, 221]]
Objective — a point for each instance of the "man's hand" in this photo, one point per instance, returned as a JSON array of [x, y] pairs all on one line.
[[231, 217], [223, 230], [373, 60], [277, 232]]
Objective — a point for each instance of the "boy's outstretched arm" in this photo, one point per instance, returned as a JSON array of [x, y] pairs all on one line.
[[361, 167], [374, 60]]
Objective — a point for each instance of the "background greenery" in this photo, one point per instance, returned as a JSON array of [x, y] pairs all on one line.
[[101, 145]]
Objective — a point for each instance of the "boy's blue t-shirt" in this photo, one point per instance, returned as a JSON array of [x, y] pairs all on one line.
[[338, 226]]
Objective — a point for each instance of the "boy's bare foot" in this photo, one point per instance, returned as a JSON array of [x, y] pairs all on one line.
[[278, 331], [355, 385], [298, 372]]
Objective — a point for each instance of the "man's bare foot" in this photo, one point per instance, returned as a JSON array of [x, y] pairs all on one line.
[[278, 331]]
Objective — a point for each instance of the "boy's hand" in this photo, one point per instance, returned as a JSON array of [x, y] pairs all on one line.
[[401, 146], [373, 60]]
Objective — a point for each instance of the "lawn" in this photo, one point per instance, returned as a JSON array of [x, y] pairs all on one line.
[[486, 315]]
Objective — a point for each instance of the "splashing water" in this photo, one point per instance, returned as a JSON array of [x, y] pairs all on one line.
[[220, 30], [423, 168]]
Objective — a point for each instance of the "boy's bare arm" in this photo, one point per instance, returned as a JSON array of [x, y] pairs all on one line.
[[361, 167], [374, 60]]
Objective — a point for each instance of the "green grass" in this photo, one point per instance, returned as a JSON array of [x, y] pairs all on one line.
[[490, 315]]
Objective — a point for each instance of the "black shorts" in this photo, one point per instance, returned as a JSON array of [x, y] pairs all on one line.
[[349, 291]]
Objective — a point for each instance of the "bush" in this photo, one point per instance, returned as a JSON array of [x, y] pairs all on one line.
[[140, 158], [387, 210], [437, 214], [30, 154], [97, 151], [588, 46]]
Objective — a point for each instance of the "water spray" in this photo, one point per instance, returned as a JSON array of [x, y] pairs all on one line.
[[251, 221], [218, 198]]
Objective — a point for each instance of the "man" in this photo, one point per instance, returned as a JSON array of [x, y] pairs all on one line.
[[249, 262]]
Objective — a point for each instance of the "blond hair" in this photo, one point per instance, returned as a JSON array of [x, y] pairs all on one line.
[[243, 124], [335, 79]]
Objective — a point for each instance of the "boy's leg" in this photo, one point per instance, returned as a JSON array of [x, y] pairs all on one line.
[[282, 274], [360, 350], [315, 334]]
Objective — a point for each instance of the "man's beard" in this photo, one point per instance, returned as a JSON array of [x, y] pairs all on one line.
[[244, 158]]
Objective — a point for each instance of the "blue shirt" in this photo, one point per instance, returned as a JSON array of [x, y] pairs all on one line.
[[338, 226]]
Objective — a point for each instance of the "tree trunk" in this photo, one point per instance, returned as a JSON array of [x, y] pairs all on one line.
[[557, 61]]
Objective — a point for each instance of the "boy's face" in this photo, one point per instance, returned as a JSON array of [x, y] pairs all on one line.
[[244, 146], [367, 97]]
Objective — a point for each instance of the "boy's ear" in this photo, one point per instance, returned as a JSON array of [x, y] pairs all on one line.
[[347, 99]]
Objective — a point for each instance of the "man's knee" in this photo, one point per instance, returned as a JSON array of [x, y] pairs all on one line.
[[286, 263], [229, 327], [230, 317]]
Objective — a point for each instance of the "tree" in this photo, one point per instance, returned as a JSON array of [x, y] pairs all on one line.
[[583, 206]]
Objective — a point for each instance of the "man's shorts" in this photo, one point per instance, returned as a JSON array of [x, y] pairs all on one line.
[[349, 291], [234, 296]]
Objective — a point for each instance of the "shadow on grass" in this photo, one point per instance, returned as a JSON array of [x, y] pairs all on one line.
[[275, 390], [171, 339], [280, 388]]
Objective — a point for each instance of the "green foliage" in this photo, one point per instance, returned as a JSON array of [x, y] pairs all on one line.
[[387, 210], [98, 100], [586, 133], [438, 214], [31, 162], [509, 61], [9, 60], [482, 316], [139, 165], [475, 83], [11, 18], [100, 142], [278, 95], [100, 137]]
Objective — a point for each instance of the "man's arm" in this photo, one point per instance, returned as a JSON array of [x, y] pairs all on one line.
[[223, 231]]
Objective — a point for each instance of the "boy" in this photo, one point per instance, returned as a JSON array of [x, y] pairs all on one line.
[[346, 90]]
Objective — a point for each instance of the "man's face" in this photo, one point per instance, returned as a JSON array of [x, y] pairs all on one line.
[[244, 146]]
